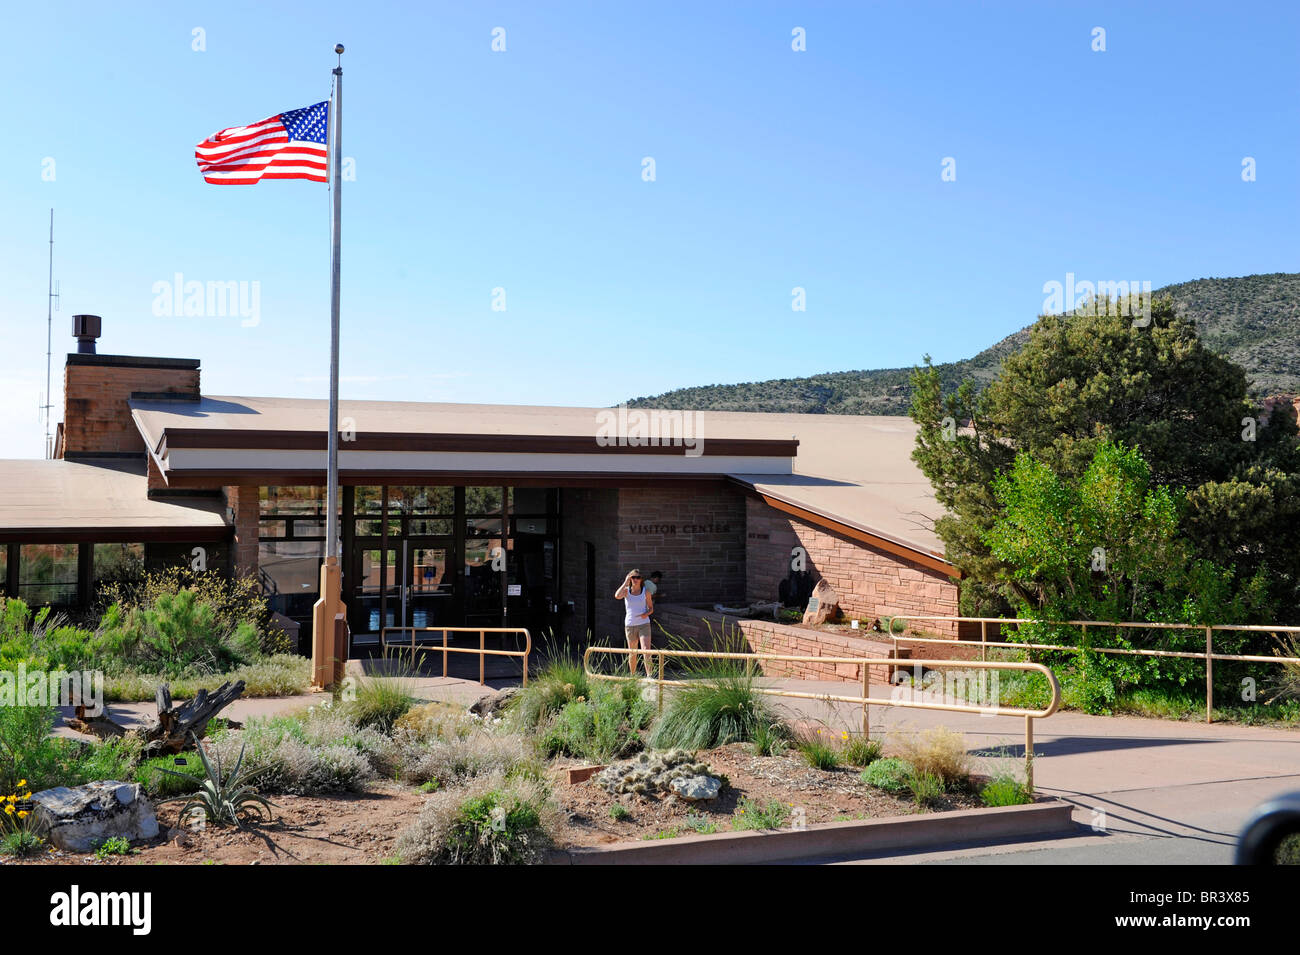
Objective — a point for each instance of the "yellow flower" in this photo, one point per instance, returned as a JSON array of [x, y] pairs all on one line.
[[22, 783], [844, 736], [22, 814], [9, 810]]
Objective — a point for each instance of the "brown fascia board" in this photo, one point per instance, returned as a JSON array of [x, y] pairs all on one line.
[[208, 480], [146, 534], [233, 439]]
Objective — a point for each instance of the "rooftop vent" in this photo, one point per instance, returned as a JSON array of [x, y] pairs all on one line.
[[86, 328]]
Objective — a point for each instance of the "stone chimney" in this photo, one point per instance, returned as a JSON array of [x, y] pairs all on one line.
[[97, 388]]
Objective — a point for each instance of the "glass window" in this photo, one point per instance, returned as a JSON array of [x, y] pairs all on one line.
[[308, 529], [430, 527], [293, 500], [47, 574], [529, 500], [482, 527], [267, 528], [118, 562], [482, 500], [422, 500], [293, 566]]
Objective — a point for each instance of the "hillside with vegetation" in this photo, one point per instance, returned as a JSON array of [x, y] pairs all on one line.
[[1253, 320]]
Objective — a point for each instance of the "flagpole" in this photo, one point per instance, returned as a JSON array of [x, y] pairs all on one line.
[[327, 659]]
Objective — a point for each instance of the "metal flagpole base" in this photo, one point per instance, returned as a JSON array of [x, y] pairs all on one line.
[[327, 658]]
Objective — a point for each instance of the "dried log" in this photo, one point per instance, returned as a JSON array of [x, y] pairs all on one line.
[[99, 726], [170, 732]]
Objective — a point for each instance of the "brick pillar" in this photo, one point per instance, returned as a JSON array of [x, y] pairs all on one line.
[[245, 509]]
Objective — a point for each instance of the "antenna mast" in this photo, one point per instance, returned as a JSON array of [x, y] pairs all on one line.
[[51, 304]]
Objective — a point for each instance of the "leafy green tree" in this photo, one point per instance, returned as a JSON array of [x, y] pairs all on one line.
[[1108, 546], [1085, 379]]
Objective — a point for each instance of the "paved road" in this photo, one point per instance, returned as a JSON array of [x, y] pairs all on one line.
[[1144, 791]]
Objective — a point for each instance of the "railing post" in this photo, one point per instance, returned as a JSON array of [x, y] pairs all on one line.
[[984, 639], [444, 653], [661, 681], [1209, 674], [1029, 754], [866, 693], [482, 657]]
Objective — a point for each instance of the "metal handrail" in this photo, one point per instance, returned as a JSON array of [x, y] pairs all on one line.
[[1209, 656], [482, 650], [866, 699]]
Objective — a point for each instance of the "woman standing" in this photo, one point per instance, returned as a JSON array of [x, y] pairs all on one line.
[[639, 606]]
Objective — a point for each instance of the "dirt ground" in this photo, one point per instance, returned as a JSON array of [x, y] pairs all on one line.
[[362, 828], [345, 829]]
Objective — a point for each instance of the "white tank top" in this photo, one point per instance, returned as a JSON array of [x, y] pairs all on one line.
[[636, 610]]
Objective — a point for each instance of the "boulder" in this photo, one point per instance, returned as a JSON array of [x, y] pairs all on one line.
[[821, 605], [80, 819], [491, 704], [696, 788]]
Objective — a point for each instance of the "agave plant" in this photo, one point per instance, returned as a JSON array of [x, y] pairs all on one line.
[[224, 800]]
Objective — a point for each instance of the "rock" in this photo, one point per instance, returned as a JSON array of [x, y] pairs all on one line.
[[491, 704], [821, 605], [696, 788], [660, 771], [80, 819]]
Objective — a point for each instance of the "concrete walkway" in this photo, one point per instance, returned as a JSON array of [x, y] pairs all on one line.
[[1144, 790]]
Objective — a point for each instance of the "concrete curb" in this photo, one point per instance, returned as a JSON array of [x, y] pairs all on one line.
[[833, 838]]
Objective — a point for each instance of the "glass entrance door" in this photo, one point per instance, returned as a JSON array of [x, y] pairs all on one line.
[[430, 582]]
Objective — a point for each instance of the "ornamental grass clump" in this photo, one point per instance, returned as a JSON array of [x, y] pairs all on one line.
[[493, 820], [941, 752], [716, 711], [560, 681]]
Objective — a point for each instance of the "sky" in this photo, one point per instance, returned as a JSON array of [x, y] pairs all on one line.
[[919, 170]]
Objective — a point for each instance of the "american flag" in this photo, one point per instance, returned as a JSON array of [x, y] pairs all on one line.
[[289, 145]]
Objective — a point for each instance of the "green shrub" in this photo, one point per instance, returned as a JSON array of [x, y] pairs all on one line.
[[458, 759], [319, 752], [927, 788], [1005, 791], [619, 812], [751, 814], [28, 751], [600, 728], [232, 600], [890, 774], [157, 783], [560, 681], [861, 751], [495, 821], [114, 846], [714, 712]]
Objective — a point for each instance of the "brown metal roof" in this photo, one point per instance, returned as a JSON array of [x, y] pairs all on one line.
[[103, 499], [854, 471]]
